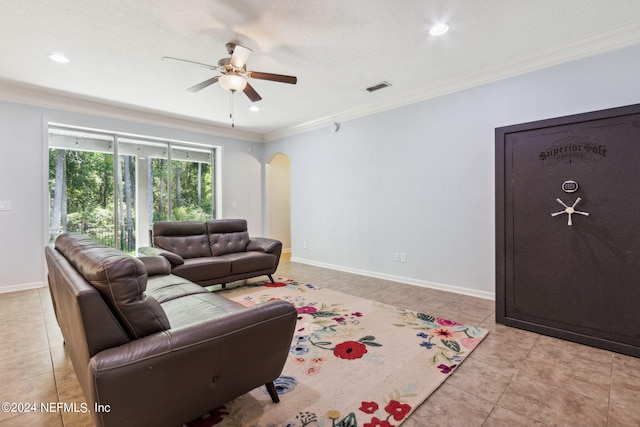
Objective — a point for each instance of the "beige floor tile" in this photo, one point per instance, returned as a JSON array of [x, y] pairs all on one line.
[[626, 365], [450, 406], [624, 417], [68, 387], [23, 338], [39, 418], [625, 391], [25, 365], [558, 349], [576, 375], [37, 389], [508, 335], [502, 417], [552, 405], [498, 354], [481, 379]]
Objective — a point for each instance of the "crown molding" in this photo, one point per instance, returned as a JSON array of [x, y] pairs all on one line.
[[11, 91], [605, 41]]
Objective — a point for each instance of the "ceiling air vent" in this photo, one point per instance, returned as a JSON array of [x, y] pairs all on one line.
[[378, 86]]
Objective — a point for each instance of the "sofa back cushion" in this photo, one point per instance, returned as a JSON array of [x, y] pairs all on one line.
[[120, 279], [185, 238], [227, 236]]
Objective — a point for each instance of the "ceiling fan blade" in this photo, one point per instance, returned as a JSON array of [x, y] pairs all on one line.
[[211, 67], [273, 77], [204, 84], [251, 93], [240, 56]]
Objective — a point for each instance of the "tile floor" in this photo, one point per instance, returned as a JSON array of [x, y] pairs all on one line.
[[514, 378]]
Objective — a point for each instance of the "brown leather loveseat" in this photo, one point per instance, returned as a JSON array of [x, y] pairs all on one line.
[[215, 251], [153, 349]]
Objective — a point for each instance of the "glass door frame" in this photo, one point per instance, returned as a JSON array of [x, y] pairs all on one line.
[[215, 165]]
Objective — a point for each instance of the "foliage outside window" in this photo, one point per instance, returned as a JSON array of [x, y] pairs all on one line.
[[116, 204]]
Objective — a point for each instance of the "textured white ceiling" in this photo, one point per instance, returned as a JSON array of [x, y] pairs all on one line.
[[335, 48]]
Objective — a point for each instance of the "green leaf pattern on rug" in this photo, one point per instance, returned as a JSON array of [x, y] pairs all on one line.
[[456, 340]]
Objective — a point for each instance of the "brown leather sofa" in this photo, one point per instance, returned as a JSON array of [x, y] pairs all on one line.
[[154, 349], [215, 251]]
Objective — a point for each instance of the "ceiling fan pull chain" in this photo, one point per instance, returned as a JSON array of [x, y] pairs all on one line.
[[233, 125]]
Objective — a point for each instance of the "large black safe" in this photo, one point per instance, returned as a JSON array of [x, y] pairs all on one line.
[[568, 228]]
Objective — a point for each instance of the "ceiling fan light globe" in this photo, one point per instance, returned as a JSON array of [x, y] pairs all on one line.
[[232, 82]]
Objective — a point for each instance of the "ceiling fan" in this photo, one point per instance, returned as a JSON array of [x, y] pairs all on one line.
[[234, 73]]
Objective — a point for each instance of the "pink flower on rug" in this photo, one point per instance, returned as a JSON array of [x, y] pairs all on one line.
[[446, 322], [469, 343], [397, 410], [350, 350], [369, 407], [375, 422], [307, 309]]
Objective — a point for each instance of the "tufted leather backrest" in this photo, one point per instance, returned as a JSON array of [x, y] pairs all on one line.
[[185, 238], [227, 236], [120, 279]]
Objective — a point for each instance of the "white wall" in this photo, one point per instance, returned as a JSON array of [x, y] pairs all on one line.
[[420, 179], [22, 181]]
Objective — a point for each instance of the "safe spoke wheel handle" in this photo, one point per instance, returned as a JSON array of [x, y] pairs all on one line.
[[569, 210]]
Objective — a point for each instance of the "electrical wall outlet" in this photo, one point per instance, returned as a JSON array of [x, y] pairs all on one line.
[[403, 257], [5, 205], [396, 256]]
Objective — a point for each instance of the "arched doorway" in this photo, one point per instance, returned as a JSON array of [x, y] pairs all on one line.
[[278, 186]]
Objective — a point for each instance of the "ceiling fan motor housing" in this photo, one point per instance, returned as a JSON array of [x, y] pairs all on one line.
[[226, 67]]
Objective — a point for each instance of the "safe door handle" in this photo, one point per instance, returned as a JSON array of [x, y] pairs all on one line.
[[569, 210]]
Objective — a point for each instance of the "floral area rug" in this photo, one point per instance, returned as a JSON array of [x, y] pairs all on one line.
[[352, 362]]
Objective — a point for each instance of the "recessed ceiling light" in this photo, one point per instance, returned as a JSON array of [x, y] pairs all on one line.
[[254, 108], [58, 57], [439, 29]]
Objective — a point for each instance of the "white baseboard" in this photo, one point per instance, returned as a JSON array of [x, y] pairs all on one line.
[[401, 279], [22, 287]]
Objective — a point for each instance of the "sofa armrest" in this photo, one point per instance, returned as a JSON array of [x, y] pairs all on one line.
[[208, 364], [172, 257], [264, 244], [156, 265]]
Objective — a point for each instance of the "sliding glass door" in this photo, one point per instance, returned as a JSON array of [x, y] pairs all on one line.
[[117, 202]]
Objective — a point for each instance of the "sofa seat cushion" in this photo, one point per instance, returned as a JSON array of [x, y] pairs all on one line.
[[245, 262], [186, 303], [170, 287], [202, 269]]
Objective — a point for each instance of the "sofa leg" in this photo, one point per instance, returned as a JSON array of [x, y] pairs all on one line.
[[271, 388], [224, 285], [271, 278]]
